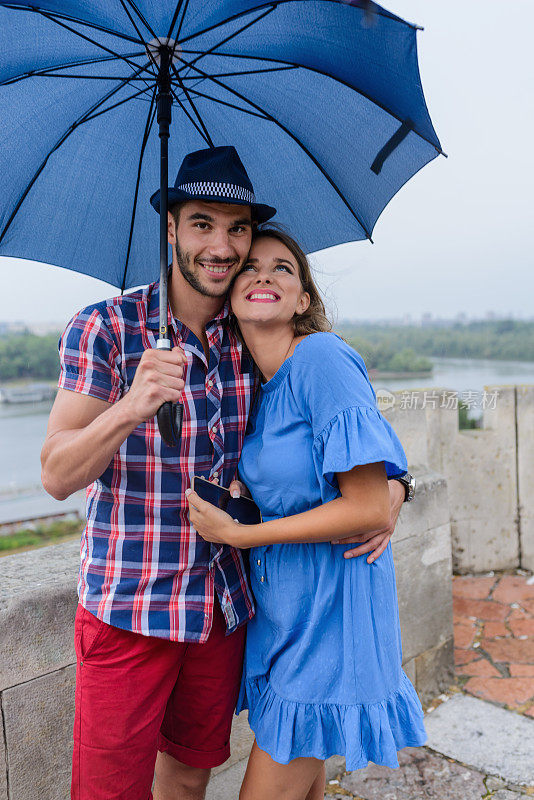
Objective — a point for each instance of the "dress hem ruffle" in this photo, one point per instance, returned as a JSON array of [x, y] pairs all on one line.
[[362, 733]]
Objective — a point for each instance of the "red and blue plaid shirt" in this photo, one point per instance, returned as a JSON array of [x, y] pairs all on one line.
[[143, 567]]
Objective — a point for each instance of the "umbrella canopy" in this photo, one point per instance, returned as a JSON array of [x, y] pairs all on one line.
[[321, 98]]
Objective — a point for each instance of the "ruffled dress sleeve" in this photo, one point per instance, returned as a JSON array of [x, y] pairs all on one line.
[[337, 398]]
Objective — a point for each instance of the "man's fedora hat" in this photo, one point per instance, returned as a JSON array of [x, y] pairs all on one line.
[[218, 176]]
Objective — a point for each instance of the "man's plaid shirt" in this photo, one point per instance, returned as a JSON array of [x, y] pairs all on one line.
[[143, 568]]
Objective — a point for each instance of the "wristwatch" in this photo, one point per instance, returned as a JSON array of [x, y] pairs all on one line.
[[408, 481]]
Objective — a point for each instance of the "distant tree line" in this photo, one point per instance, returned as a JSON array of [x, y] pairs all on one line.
[[507, 340], [25, 355], [384, 347], [384, 356]]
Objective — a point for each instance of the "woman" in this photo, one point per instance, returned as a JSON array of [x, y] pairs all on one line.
[[322, 672]]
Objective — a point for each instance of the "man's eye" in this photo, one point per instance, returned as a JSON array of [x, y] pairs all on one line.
[[238, 229], [201, 225]]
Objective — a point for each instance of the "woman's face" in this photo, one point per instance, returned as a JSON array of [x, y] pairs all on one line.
[[268, 288]]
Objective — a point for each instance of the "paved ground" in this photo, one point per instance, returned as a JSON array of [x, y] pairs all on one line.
[[492, 742], [494, 638]]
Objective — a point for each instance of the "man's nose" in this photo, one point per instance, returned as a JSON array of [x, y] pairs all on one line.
[[221, 246]]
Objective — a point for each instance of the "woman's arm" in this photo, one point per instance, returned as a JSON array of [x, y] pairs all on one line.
[[363, 506]]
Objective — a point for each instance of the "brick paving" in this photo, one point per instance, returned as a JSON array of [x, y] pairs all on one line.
[[494, 638], [494, 657]]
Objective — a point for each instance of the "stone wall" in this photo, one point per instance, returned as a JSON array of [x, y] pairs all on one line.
[[489, 472], [37, 607]]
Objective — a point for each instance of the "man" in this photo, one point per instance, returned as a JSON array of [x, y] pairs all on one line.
[[158, 660]]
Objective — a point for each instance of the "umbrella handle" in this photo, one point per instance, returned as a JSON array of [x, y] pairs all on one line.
[[170, 417], [169, 414]]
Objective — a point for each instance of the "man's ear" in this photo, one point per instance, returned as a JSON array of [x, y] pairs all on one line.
[[171, 228], [303, 303]]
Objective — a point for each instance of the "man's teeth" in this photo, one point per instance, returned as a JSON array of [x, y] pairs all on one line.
[[258, 296], [212, 268]]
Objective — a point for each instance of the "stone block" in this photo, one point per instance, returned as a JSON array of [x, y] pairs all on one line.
[[434, 671], [429, 510], [491, 739], [3, 759], [525, 473], [37, 633], [480, 468], [38, 719], [423, 570], [409, 669]]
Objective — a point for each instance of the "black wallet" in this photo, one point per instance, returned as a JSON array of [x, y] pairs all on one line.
[[242, 509]]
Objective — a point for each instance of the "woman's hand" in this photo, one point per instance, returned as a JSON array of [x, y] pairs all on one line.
[[238, 489], [376, 542], [210, 522]]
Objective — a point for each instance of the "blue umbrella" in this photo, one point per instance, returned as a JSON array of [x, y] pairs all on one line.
[[321, 98]]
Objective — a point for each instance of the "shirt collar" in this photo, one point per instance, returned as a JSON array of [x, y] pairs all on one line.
[[152, 317]]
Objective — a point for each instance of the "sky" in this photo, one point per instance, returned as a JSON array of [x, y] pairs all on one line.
[[458, 237]]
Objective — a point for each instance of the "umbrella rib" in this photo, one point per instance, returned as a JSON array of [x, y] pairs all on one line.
[[138, 32], [237, 74], [92, 41], [230, 105], [15, 7], [146, 134], [191, 120], [45, 70], [115, 105], [231, 36], [142, 18], [326, 75], [298, 142], [196, 112], [174, 17], [86, 78], [57, 145], [182, 19], [277, 3]]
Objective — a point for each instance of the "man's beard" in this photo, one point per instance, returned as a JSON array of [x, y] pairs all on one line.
[[184, 260]]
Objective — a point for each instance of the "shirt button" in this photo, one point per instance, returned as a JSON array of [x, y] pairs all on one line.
[[215, 474], [214, 429], [209, 384], [262, 579], [207, 616], [259, 562]]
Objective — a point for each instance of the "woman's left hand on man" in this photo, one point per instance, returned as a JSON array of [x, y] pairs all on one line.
[[376, 542], [210, 522]]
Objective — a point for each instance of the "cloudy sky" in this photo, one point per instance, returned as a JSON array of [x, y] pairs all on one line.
[[458, 237]]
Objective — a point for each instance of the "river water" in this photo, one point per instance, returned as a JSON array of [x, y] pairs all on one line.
[[23, 427]]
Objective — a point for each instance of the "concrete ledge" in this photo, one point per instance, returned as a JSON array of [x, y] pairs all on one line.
[[37, 606], [38, 730]]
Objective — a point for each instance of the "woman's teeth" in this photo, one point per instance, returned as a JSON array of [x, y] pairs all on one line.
[[261, 296]]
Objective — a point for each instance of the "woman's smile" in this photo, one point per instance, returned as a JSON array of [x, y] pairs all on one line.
[[262, 297]]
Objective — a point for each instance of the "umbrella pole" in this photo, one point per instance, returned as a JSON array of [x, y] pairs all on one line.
[[169, 414]]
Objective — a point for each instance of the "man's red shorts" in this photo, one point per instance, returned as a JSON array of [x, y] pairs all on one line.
[[139, 694]]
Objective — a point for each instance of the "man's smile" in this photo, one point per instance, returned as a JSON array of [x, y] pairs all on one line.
[[220, 270]]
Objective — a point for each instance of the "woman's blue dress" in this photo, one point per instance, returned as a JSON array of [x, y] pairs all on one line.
[[322, 672]]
